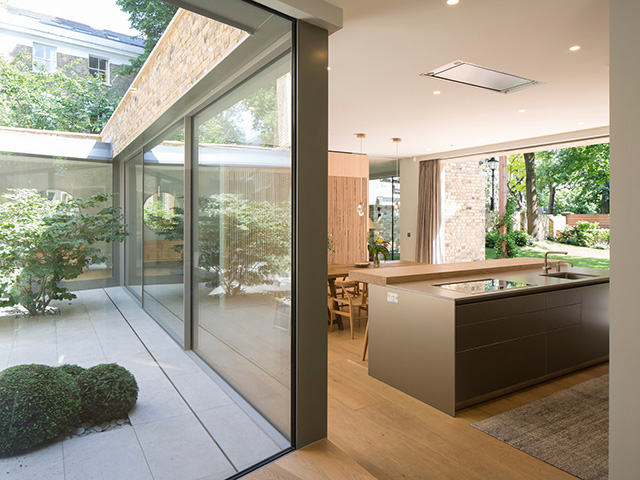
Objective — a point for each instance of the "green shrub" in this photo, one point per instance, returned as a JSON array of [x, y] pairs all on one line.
[[38, 404], [71, 369], [521, 238], [108, 391], [491, 239], [584, 234], [45, 242]]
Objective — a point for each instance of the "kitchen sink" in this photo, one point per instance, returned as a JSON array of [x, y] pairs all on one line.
[[568, 275]]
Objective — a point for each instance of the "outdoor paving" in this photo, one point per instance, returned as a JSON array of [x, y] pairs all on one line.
[[183, 426]]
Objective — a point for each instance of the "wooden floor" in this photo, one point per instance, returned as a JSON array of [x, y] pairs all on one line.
[[394, 436]]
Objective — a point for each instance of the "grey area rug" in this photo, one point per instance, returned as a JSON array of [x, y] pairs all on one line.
[[568, 429]]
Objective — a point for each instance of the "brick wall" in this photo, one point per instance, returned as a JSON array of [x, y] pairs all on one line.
[[464, 211], [190, 47]]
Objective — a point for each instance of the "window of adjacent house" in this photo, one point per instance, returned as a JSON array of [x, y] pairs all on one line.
[[99, 67], [44, 58]]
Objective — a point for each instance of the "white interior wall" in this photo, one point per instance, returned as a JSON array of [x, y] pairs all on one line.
[[409, 170], [624, 434]]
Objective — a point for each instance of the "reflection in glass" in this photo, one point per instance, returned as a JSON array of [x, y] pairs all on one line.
[[384, 211], [133, 209], [60, 179], [242, 240], [163, 231]]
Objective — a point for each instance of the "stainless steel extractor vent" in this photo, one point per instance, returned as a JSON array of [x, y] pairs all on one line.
[[476, 76]]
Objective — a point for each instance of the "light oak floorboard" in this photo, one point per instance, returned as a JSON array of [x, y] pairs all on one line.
[[378, 432], [320, 461], [394, 436]]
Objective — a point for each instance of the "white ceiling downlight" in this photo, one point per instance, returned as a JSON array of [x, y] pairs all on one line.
[[482, 77]]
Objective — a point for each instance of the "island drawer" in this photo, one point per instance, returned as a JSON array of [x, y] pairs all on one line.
[[561, 317], [493, 309], [499, 330], [568, 296], [487, 369]]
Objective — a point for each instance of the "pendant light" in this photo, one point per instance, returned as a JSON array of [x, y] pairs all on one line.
[[360, 136]]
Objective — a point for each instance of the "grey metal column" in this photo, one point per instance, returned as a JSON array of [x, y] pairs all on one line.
[[311, 138], [188, 293]]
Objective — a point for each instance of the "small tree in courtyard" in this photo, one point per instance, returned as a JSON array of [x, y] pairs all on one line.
[[44, 242]]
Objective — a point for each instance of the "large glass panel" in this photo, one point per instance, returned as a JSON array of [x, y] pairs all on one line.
[[59, 179], [242, 240], [134, 197], [384, 211], [163, 231]]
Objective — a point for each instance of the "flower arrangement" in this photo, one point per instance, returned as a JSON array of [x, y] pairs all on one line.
[[377, 246]]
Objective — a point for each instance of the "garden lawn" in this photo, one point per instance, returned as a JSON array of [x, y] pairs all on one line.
[[581, 256]]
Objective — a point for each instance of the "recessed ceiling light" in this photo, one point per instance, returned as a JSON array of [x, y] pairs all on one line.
[[522, 110], [452, 2], [436, 92], [575, 48], [580, 123], [328, 68]]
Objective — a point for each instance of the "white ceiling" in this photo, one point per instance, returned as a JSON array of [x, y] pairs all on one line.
[[375, 85]]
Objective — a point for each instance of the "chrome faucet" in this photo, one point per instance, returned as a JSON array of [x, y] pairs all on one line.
[[546, 267], [560, 262]]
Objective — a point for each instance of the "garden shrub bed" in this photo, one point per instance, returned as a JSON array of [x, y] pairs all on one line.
[[39, 404]]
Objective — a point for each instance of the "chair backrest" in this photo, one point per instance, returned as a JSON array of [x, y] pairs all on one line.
[[351, 289]]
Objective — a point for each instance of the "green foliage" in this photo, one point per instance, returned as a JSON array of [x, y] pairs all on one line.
[[73, 370], [169, 224], [38, 404], [53, 101], [107, 391], [506, 244], [44, 242], [584, 234], [263, 106], [522, 238], [491, 239], [151, 18], [223, 129], [570, 179], [256, 245]]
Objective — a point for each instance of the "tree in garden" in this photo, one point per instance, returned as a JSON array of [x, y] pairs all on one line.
[[263, 106], [149, 17], [223, 128], [243, 242], [53, 101], [576, 179], [533, 221], [44, 242]]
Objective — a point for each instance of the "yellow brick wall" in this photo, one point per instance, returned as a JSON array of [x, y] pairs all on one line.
[[190, 47], [464, 215]]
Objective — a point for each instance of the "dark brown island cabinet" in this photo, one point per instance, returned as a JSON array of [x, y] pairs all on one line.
[[452, 351]]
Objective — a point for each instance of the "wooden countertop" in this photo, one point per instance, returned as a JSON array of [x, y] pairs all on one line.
[[420, 272]]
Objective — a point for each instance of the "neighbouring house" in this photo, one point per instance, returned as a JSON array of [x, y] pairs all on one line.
[[52, 43]]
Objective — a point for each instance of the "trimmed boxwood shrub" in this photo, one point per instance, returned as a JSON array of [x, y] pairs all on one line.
[[71, 369], [38, 404], [108, 391]]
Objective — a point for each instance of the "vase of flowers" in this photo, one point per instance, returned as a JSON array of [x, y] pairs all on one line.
[[377, 246]]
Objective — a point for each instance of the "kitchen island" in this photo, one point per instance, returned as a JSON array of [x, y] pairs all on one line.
[[459, 334]]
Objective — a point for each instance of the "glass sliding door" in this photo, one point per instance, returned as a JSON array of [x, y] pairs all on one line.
[[384, 211], [163, 231], [133, 208], [242, 240]]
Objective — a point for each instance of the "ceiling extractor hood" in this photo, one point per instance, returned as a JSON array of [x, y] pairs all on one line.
[[482, 77]]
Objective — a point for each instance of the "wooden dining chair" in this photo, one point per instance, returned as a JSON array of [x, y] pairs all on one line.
[[351, 302]]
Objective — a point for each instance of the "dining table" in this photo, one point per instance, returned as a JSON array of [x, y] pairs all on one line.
[[341, 270]]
